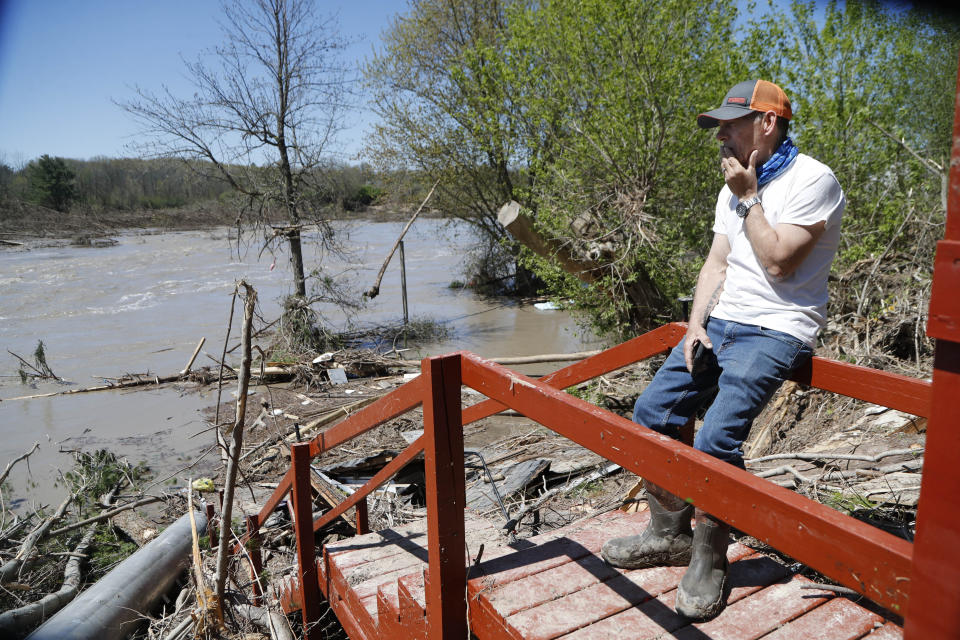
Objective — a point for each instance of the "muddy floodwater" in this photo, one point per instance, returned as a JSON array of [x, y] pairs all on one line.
[[142, 305]]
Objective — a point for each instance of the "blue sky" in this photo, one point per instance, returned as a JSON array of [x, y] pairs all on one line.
[[63, 61]]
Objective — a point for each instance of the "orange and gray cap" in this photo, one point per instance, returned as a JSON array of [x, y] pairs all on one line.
[[745, 98]]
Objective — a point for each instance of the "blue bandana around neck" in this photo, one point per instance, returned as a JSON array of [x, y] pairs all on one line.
[[779, 162]]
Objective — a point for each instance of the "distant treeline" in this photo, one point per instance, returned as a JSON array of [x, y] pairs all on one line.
[[128, 184]]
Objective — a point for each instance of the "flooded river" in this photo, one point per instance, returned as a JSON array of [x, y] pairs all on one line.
[[142, 305]]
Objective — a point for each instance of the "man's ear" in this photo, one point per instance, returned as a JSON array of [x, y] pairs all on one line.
[[769, 123]]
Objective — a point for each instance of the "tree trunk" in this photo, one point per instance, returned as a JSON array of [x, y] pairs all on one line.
[[646, 299], [296, 261]]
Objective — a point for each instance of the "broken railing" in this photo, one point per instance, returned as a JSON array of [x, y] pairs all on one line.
[[868, 560]]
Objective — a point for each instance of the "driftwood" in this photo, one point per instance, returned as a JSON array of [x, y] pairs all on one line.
[[13, 623], [236, 443], [514, 360], [512, 523], [274, 373], [375, 289], [24, 555], [186, 369], [275, 624], [911, 465], [43, 373], [813, 457], [106, 514], [6, 472]]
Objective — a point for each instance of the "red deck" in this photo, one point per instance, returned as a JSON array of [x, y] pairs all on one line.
[[556, 586]]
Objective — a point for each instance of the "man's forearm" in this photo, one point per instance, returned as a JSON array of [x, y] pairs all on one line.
[[707, 294]]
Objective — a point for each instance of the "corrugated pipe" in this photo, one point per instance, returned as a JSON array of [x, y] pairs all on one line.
[[112, 608]]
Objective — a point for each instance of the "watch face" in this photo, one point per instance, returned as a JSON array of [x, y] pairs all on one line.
[[742, 209]]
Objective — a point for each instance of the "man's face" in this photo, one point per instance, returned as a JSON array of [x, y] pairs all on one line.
[[738, 138]]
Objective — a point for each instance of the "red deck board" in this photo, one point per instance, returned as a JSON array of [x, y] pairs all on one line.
[[838, 619], [556, 551], [626, 590], [757, 615], [411, 591], [388, 611], [889, 631]]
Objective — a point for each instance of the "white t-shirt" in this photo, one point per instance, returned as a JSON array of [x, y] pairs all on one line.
[[806, 193]]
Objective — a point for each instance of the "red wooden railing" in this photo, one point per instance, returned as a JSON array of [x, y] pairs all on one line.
[[855, 554], [890, 571]]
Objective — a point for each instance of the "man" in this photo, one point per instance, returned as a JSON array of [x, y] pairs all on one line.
[[759, 303]]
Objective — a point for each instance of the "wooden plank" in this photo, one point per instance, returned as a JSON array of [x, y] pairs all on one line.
[[837, 545], [628, 589], [331, 495], [348, 621], [534, 558], [889, 631], [753, 617], [379, 544], [534, 590], [388, 610], [838, 619], [654, 342], [356, 576], [411, 593], [393, 404], [910, 395]]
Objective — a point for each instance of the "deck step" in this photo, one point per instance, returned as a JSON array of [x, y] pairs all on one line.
[[555, 585]]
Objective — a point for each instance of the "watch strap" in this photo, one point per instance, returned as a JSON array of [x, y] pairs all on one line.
[[744, 206]]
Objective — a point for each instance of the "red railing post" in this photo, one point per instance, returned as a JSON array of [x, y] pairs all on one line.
[[363, 518], [443, 455], [256, 558], [306, 549], [935, 574]]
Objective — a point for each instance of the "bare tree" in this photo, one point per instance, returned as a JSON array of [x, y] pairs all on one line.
[[267, 106]]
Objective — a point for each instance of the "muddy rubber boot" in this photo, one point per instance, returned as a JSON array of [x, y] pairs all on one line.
[[701, 594], [665, 542]]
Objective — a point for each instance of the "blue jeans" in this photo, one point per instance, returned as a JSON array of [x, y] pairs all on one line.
[[749, 364]]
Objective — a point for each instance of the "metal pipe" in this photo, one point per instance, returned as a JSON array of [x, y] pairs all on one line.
[[113, 607]]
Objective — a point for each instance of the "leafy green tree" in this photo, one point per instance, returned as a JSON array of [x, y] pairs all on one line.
[[51, 183], [579, 111], [619, 174], [441, 116], [875, 89]]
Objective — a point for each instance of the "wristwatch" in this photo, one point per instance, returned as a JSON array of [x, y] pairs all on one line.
[[743, 207]]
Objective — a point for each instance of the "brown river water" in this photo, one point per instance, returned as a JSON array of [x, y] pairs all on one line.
[[142, 305]]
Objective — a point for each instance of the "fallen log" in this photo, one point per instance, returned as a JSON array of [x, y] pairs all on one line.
[[13, 623], [514, 360], [274, 373]]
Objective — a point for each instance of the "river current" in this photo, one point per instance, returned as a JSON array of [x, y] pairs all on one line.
[[142, 305]]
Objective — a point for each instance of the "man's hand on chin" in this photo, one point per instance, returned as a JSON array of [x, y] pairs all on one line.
[[741, 180]]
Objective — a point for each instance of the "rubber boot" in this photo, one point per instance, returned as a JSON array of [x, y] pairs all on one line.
[[701, 593], [665, 542]]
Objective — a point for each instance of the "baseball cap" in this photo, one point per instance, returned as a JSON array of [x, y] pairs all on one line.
[[746, 97]]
